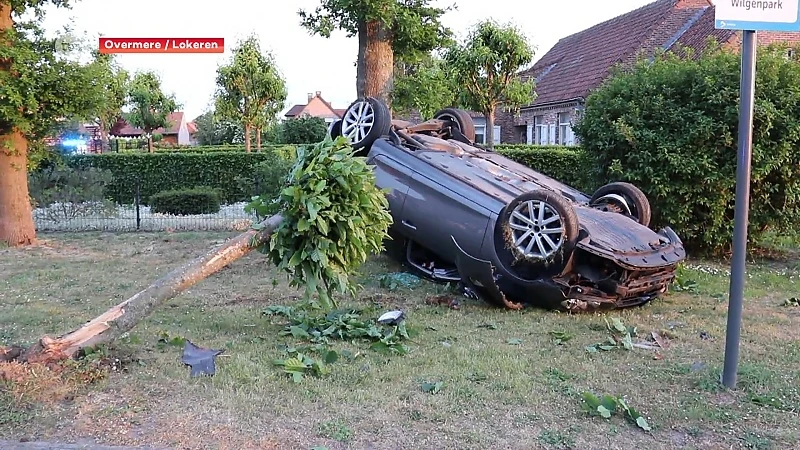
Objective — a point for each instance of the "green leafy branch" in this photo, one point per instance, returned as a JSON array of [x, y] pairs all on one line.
[[343, 325], [607, 405], [334, 217], [621, 337]]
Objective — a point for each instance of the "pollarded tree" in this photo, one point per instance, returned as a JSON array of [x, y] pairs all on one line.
[[111, 83], [486, 64], [38, 89], [250, 89], [150, 106], [386, 30]]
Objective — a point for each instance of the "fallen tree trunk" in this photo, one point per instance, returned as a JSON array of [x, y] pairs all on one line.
[[126, 315]]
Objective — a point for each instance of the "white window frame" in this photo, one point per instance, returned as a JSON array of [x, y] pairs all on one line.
[[480, 130], [565, 136], [540, 130]]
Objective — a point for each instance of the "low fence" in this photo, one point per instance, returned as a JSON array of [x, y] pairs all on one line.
[[136, 216]]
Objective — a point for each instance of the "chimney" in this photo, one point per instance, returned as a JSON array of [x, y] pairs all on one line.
[[318, 93], [310, 96]]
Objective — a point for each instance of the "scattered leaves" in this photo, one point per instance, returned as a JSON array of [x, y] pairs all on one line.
[[607, 405], [432, 388]]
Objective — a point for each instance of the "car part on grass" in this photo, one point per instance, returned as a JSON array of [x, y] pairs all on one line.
[[391, 317], [200, 359], [504, 231]]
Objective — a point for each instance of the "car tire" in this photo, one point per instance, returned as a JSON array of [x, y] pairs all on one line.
[[336, 129], [548, 245], [624, 198], [461, 119], [363, 107]]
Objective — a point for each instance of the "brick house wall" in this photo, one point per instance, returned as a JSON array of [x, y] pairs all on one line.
[[570, 71]]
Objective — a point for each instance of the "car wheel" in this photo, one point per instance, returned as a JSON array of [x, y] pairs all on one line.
[[461, 119], [335, 130], [364, 121], [537, 233], [623, 198]]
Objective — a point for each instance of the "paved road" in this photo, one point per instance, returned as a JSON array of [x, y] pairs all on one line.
[[16, 445]]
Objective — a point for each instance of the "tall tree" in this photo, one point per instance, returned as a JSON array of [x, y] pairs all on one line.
[[111, 83], [425, 87], [250, 89], [150, 106], [387, 30], [38, 89], [485, 65]]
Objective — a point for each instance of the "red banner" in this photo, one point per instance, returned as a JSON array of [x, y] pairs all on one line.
[[162, 45]]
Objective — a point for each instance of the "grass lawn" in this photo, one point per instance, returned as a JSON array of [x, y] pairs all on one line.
[[506, 382]]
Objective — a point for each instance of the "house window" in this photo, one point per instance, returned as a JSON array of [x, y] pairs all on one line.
[[480, 134], [541, 130], [564, 129]]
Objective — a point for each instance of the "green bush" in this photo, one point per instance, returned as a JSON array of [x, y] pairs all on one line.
[[184, 202], [569, 165], [156, 172], [304, 130], [670, 126]]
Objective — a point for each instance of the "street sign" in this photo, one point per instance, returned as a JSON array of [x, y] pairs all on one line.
[[757, 15]]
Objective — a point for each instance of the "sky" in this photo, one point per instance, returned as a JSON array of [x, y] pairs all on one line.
[[308, 63]]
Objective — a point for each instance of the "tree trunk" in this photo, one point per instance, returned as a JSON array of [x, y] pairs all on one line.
[[125, 316], [361, 72], [378, 62], [258, 139], [16, 215], [150, 146], [490, 127], [105, 145], [247, 138]]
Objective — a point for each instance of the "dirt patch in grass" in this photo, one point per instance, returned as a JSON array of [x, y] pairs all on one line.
[[505, 379]]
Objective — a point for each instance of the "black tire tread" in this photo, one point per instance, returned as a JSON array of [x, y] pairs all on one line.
[[640, 201], [465, 123]]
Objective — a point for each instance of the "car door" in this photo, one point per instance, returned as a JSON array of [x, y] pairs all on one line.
[[433, 213], [394, 176]]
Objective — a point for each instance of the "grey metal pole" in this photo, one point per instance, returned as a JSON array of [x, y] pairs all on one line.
[[739, 259]]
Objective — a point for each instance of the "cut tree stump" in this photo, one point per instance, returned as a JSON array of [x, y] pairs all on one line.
[[123, 317]]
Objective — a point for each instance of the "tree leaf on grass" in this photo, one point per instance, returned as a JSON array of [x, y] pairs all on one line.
[[432, 388]]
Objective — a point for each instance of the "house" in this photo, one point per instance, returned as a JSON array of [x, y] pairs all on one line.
[[177, 133], [579, 63], [316, 107]]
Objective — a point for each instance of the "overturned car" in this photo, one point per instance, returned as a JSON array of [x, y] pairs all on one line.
[[507, 233]]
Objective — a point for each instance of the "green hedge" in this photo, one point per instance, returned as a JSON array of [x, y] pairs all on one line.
[[223, 170], [186, 202], [569, 165], [168, 171]]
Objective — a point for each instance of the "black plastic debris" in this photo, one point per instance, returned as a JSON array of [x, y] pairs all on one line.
[[200, 359]]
